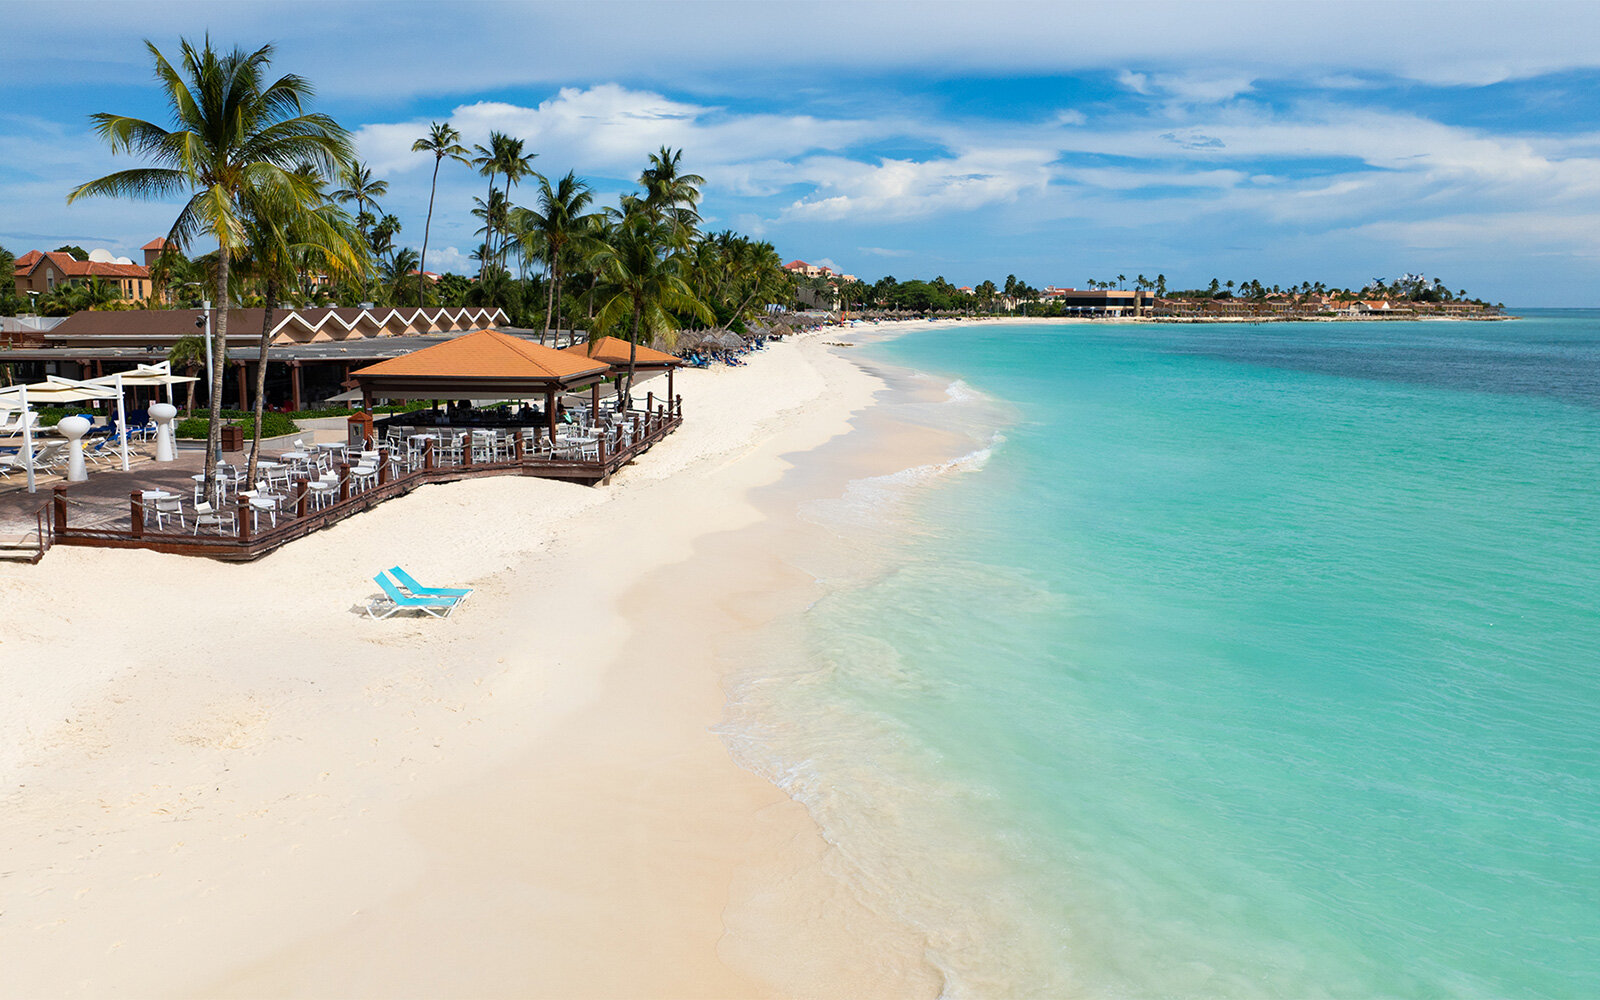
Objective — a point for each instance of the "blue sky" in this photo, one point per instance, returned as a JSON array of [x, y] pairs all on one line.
[[1285, 141]]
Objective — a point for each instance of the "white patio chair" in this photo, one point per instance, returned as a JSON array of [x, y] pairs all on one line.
[[168, 508], [217, 517]]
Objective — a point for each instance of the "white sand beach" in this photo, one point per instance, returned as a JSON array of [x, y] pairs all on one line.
[[224, 780]]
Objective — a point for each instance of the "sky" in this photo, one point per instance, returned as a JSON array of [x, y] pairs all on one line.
[[1283, 142]]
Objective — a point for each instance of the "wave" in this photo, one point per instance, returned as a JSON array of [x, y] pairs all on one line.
[[869, 501]]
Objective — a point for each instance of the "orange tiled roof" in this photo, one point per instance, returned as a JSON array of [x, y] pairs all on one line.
[[158, 243], [614, 351], [486, 354], [73, 268]]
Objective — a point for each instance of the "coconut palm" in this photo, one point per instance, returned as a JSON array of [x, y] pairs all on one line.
[[361, 188], [442, 141], [236, 136], [189, 354], [558, 227], [643, 273], [503, 156], [670, 193], [286, 234]]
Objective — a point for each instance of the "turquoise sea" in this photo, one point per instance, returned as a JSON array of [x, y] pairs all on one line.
[[1236, 660]]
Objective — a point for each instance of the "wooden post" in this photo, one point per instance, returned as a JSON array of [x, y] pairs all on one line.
[[300, 501], [61, 509], [136, 501], [602, 451], [470, 444], [680, 407], [244, 383], [384, 452], [594, 402], [649, 404], [243, 504], [516, 445], [550, 412], [294, 385], [427, 453], [344, 481], [670, 369]]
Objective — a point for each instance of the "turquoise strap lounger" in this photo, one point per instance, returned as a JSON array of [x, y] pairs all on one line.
[[405, 580], [438, 607]]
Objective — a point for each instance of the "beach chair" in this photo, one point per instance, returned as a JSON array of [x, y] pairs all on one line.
[[394, 600], [416, 589], [17, 462]]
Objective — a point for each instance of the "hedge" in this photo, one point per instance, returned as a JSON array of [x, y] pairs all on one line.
[[272, 425]]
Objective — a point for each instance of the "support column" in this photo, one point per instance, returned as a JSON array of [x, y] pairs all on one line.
[[670, 394], [294, 385], [550, 413], [594, 401], [244, 384]]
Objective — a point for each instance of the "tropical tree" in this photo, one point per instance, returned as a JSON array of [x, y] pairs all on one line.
[[556, 228], [235, 136], [642, 271], [503, 156], [189, 354], [442, 141], [670, 194], [288, 231], [363, 189]]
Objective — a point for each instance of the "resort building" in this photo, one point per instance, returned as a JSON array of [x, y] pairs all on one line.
[[40, 272], [311, 356], [1101, 302]]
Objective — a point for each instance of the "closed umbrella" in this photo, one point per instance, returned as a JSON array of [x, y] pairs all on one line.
[[157, 374], [54, 389]]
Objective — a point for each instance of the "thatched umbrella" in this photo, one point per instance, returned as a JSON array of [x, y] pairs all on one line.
[[727, 340]]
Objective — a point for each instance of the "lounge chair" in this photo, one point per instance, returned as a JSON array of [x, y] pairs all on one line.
[[396, 600], [418, 590]]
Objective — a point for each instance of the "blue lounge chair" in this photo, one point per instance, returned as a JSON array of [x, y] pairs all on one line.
[[396, 600], [418, 590]]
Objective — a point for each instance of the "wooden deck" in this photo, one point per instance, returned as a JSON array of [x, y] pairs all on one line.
[[107, 511]]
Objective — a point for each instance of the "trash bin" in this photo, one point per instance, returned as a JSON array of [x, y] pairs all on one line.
[[358, 431], [232, 437]]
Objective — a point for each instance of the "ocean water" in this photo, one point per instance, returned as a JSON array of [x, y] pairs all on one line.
[[1233, 661]]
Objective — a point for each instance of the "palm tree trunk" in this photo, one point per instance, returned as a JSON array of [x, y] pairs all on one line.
[[261, 377], [633, 353], [219, 362], [422, 264], [550, 303], [488, 235]]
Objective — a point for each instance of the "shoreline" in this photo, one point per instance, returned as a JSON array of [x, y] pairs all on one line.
[[389, 792]]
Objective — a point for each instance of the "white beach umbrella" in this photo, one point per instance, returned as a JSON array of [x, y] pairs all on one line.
[[156, 374], [54, 389]]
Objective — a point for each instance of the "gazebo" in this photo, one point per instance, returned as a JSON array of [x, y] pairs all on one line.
[[481, 365], [614, 352]]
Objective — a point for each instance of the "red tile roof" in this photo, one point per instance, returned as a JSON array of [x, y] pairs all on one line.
[[486, 354], [158, 243], [614, 351], [79, 268]]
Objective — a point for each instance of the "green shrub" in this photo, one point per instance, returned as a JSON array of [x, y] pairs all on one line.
[[272, 425]]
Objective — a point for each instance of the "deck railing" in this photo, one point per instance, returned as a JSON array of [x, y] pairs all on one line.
[[395, 477]]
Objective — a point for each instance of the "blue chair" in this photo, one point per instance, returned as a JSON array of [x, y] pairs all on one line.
[[418, 590], [396, 600]]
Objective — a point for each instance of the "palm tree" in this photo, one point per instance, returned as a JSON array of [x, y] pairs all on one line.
[[669, 193], [361, 188], [643, 271], [502, 156], [559, 223], [189, 354], [514, 165], [236, 137], [287, 233], [442, 141]]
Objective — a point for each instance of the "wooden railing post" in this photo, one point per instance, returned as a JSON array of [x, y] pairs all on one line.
[[680, 406], [136, 502], [61, 509], [384, 454], [243, 505], [427, 453], [300, 501], [344, 481], [517, 445], [469, 444]]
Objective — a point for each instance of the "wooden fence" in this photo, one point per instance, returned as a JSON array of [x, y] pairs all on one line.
[[246, 542]]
